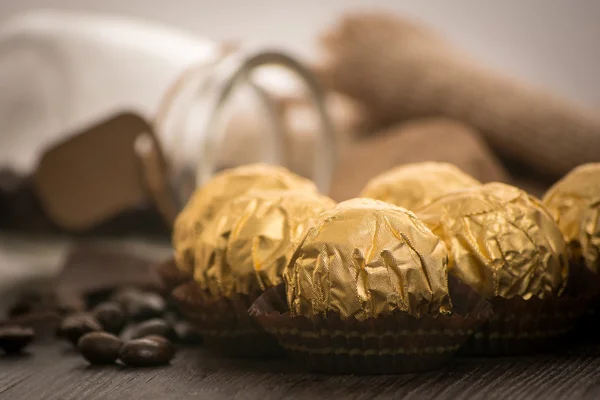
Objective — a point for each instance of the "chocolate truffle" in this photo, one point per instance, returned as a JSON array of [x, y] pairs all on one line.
[[501, 241], [366, 258], [574, 202], [416, 185], [207, 200], [246, 246]]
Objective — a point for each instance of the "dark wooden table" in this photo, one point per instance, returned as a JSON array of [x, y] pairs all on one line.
[[52, 371]]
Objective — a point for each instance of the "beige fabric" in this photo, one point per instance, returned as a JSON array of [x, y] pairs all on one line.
[[436, 139], [401, 70]]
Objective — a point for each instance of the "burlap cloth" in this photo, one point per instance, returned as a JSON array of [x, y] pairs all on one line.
[[401, 71], [433, 139]]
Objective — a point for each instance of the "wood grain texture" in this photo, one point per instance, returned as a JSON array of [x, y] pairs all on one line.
[[54, 372]]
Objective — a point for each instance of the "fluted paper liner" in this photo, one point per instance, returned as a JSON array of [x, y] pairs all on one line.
[[170, 276], [536, 325], [224, 323], [520, 326], [393, 343], [586, 284]]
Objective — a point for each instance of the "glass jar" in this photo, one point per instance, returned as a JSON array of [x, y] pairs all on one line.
[[190, 122]]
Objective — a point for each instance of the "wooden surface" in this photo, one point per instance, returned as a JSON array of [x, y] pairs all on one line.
[[54, 371]]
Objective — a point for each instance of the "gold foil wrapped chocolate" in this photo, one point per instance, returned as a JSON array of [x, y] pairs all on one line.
[[501, 241], [415, 185], [246, 246], [366, 258], [223, 187], [574, 202]]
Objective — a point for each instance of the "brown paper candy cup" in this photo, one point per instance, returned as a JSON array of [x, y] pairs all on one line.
[[520, 327], [588, 326], [224, 323], [585, 283], [170, 276], [395, 343]]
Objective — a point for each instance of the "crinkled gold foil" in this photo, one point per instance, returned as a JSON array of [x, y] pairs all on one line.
[[415, 185], [246, 246], [208, 200], [365, 258], [574, 202], [501, 241]]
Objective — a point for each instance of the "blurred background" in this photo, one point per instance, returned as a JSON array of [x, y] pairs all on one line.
[[507, 91], [549, 42], [515, 83]]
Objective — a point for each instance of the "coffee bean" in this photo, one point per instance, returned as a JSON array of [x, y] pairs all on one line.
[[146, 353], [124, 295], [99, 347], [156, 337], [111, 316], [149, 305], [171, 276], [154, 326], [187, 333], [13, 339], [161, 339], [139, 305], [76, 325], [70, 303], [171, 317]]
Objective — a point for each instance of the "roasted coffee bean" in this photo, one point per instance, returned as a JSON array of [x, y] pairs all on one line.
[[171, 317], [139, 305], [70, 303], [187, 333], [162, 339], [128, 332], [125, 295], [146, 353], [157, 337], [13, 339], [99, 347], [154, 326], [149, 305], [111, 316], [76, 325], [171, 276]]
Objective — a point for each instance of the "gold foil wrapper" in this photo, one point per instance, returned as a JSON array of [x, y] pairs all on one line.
[[366, 258], [501, 241], [415, 185], [574, 202], [245, 248], [207, 200]]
